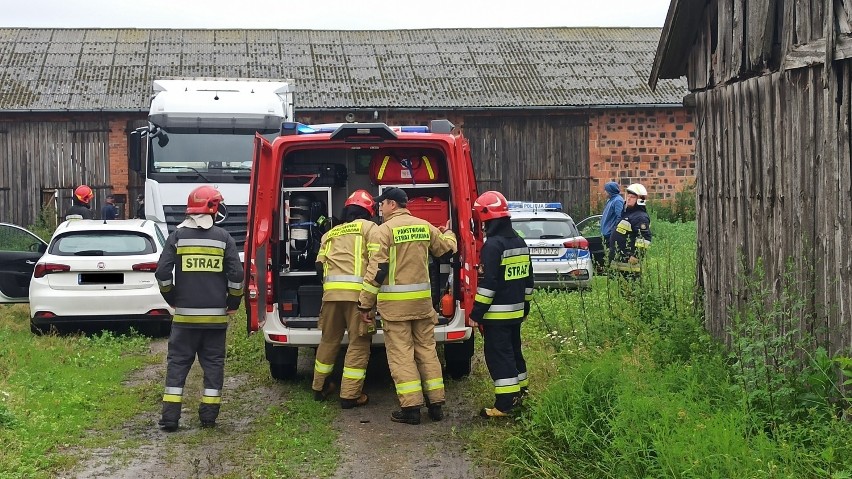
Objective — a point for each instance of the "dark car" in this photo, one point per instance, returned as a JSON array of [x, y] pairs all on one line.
[[20, 250], [590, 228]]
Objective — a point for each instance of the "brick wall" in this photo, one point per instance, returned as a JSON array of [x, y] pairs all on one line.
[[654, 147], [118, 159]]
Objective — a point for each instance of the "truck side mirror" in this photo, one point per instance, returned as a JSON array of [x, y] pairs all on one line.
[[135, 147]]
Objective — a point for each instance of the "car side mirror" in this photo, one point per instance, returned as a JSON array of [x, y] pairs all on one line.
[[38, 247]]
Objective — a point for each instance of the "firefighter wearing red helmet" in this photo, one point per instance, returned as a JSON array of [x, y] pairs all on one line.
[[341, 262], [80, 204], [201, 276], [502, 302]]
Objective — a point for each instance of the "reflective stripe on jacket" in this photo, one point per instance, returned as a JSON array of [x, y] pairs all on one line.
[[631, 237], [208, 276], [397, 278], [344, 255], [505, 285]]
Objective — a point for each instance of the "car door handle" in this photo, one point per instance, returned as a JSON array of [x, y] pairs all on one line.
[[29, 261]]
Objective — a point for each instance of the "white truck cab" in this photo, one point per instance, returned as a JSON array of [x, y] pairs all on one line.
[[201, 131]]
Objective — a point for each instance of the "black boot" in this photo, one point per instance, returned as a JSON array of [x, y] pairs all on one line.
[[407, 415], [327, 390], [170, 416], [361, 400], [436, 413]]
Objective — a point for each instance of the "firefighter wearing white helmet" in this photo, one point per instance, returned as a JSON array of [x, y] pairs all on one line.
[[632, 235]]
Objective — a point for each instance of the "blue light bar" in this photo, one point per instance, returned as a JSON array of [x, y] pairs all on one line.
[[294, 128], [527, 206]]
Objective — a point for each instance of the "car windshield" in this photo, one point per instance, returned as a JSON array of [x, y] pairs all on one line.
[[545, 228], [91, 243]]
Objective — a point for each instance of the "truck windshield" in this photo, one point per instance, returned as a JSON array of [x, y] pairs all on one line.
[[202, 155]]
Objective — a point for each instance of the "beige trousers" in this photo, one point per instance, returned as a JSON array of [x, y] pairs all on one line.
[[337, 317], [413, 361]]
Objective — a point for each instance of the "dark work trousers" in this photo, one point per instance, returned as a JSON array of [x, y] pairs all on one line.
[[505, 363], [184, 345]]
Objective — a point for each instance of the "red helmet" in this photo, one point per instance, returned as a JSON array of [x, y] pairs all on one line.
[[203, 200], [361, 198], [84, 194], [490, 206]]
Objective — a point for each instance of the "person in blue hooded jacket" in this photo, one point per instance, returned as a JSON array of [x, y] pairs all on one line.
[[612, 211]]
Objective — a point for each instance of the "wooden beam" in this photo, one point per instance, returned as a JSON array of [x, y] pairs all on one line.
[[813, 53]]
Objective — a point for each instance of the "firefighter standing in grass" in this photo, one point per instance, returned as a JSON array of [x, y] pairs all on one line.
[[80, 204], [342, 259], [397, 282], [206, 290], [632, 235], [502, 302]]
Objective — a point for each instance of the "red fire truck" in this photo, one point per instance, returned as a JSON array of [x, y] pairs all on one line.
[[299, 182]]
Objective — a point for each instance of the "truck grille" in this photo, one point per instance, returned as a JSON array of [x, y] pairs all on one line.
[[235, 223]]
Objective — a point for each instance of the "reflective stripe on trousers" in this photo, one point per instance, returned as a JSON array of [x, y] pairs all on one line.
[[405, 292]]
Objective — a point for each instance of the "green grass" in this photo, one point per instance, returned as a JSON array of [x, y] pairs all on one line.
[[60, 395], [293, 438], [55, 390], [626, 383]]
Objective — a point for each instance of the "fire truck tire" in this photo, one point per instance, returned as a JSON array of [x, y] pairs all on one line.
[[282, 361], [457, 357], [282, 372]]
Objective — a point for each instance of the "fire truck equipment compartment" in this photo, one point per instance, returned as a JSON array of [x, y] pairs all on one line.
[[326, 174], [432, 209], [310, 299], [415, 168]]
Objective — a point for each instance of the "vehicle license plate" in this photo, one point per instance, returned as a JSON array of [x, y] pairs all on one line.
[[544, 251]]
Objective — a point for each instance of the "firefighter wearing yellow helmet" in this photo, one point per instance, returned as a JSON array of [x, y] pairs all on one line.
[[632, 235]]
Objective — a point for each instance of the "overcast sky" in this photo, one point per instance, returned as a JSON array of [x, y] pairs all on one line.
[[331, 14]]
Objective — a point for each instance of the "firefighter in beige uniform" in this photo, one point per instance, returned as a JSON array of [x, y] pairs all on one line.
[[397, 282], [342, 259]]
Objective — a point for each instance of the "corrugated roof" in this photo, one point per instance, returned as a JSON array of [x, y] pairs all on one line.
[[112, 69]]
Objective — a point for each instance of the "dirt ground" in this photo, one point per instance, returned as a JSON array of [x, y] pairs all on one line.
[[371, 445]]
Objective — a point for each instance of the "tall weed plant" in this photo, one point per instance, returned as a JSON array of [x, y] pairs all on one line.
[[641, 390]]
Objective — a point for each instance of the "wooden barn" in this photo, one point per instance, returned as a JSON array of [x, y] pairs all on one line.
[[771, 82], [552, 113]]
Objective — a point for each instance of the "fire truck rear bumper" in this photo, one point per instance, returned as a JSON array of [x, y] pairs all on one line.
[[303, 332]]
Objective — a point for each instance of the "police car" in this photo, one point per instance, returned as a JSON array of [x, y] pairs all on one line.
[[560, 255]]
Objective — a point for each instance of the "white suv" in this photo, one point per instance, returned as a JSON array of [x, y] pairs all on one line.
[[560, 255], [99, 273]]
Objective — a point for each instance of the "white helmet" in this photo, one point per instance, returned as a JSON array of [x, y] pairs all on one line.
[[639, 191]]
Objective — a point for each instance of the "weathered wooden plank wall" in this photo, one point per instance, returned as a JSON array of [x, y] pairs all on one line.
[[38, 156], [533, 158], [774, 169], [739, 39]]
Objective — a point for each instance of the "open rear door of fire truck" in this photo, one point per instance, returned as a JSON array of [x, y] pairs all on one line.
[[265, 171], [458, 354]]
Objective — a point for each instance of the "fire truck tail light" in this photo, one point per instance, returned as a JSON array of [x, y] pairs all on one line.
[[455, 335]]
